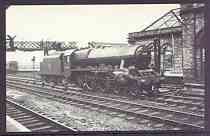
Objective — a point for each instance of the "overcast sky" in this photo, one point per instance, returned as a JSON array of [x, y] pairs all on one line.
[[104, 23], [83, 23]]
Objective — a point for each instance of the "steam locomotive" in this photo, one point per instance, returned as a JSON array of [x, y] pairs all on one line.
[[115, 69]]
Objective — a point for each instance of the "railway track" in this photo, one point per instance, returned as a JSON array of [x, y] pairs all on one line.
[[159, 115], [34, 121], [23, 78], [185, 104], [172, 88]]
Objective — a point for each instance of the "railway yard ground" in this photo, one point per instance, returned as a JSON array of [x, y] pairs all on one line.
[[76, 117], [172, 110]]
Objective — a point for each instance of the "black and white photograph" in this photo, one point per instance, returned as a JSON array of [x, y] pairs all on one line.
[[113, 67]]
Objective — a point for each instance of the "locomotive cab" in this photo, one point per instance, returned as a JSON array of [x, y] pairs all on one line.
[[66, 58]]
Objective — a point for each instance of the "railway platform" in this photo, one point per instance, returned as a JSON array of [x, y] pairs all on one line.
[[14, 126]]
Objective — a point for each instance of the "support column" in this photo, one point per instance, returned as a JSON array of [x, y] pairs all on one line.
[[188, 44], [192, 16]]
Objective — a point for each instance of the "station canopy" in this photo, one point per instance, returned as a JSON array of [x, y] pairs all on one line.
[[170, 19]]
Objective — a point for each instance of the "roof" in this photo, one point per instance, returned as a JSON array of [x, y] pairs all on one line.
[[170, 19], [155, 32], [169, 22]]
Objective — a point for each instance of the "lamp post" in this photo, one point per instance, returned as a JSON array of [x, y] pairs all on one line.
[[33, 60]]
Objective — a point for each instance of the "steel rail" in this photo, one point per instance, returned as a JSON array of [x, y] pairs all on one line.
[[34, 121], [170, 99], [186, 120]]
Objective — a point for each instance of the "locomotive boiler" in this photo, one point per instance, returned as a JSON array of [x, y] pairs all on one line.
[[118, 69]]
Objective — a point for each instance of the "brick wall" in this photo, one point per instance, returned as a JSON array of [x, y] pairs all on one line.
[[193, 19]]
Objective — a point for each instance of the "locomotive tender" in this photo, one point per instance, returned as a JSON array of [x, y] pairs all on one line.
[[12, 67], [115, 69]]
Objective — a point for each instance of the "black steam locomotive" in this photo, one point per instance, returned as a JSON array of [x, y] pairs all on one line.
[[118, 69]]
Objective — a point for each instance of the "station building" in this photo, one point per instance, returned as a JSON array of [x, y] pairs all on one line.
[[181, 35]]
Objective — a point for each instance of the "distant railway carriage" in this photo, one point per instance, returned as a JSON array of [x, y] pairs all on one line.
[[123, 69], [12, 67]]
